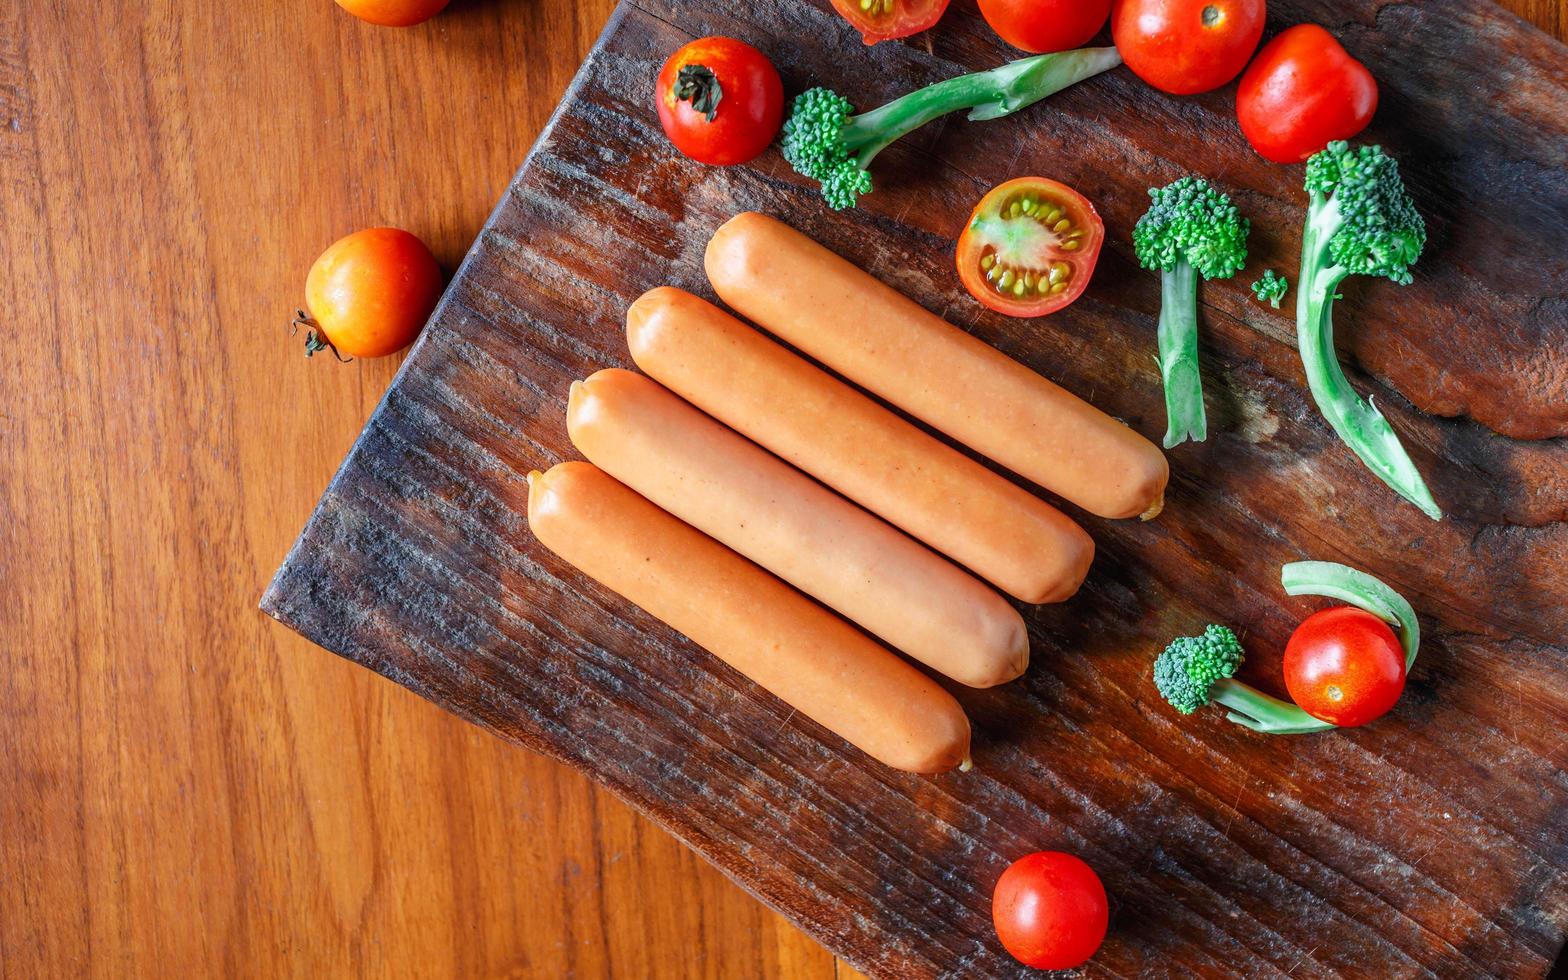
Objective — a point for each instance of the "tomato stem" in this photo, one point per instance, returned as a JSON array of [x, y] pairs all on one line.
[[698, 85], [314, 339]]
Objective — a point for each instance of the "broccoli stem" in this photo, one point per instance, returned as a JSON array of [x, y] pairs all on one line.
[[1178, 337], [989, 94], [1253, 709], [1336, 581], [1359, 424]]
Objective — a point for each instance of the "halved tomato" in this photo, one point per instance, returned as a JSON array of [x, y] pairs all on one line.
[[883, 20], [1030, 247]]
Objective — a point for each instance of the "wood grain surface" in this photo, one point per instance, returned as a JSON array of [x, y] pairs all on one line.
[[187, 789], [1431, 842]]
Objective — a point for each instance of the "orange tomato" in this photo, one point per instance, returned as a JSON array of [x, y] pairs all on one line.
[[393, 13], [371, 292]]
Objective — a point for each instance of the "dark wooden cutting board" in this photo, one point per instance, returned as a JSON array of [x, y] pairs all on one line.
[[1434, 841]]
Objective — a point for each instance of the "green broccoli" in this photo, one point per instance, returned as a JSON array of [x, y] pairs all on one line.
[[1190, 229], [1360, 221], [823, 141], [1271, 288], [1195, 671]]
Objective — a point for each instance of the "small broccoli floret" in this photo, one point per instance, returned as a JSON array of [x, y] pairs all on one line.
[[1195, 671], [1360, 221], [1271, 288], [1188, 668], [1190, 229], [823, 141], [813, 143]]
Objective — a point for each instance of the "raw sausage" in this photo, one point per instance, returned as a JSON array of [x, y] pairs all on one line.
[[881, 340], [817, 663], [745, 497], [979, 519]]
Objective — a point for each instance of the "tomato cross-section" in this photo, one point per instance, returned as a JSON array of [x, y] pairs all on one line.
[[883, 20], [1030, 246]]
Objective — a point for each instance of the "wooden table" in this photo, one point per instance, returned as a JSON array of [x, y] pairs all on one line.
[[186, 788]]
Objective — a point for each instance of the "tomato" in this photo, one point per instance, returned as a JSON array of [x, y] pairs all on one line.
[[1040, 26], [1187, 46], [1029, 247], [1301, 93], [370, 293], [1050, 911], [393, 13], [1345, 666], [883, 20], [720, 100]]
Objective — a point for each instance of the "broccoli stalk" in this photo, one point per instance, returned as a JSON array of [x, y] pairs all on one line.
[[1360, 221], [1365, 592], [1271, 288], [821, 140], [1195, 671], [1190, 229]]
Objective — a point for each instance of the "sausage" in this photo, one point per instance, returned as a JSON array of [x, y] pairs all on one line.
[[815, 662], [979, 519], [881, 340], [746, 498]]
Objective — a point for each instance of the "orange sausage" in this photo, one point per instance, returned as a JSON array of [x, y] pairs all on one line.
[[815, 662], [885, 342], [983, 521], [749, 499]]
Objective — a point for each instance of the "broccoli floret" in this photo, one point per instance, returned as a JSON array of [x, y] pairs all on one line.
[[1188, 668], [814, 146], [1271, 288], [1360, 221], [823, 141], [1361, 212], [1190, 229], [1195, 671]]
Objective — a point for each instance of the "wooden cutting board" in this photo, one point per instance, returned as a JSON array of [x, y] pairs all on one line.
[[1433, 841]]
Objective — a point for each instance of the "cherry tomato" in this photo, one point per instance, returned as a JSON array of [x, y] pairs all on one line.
[[720, 100], [883, 20], [371, 292], [1345, 666], [1046, 25], [393, 13], [1050, 911], [1030, 246], [1301, 93], [1187, 46]]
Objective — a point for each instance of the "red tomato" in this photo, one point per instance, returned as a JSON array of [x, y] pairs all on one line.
[[1030, 246], [883, 20], [1050, 910], [1345, 666], [371, 292], [720, 100], [393, 13], [1046, 25], [1187, 46], [1301, 93]]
